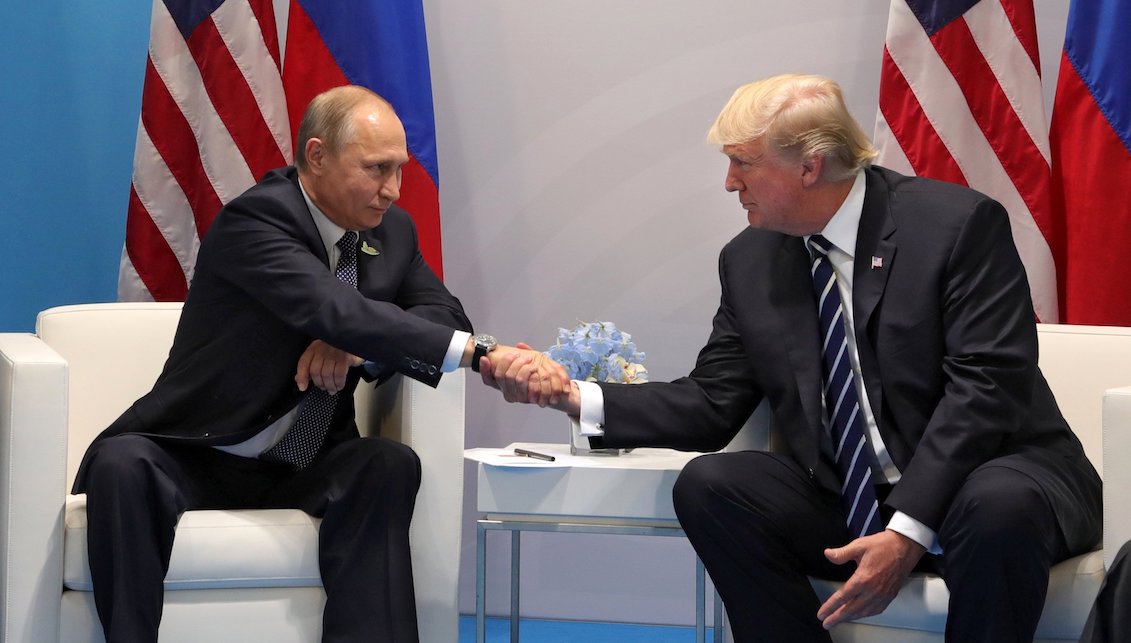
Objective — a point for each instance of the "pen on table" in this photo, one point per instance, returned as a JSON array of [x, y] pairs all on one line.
[[534, 454]]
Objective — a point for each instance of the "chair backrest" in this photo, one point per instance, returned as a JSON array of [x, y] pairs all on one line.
[[114, 353], [1079, 362]]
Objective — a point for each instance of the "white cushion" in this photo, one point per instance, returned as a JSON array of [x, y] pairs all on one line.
[[922, 603], [217, 549]]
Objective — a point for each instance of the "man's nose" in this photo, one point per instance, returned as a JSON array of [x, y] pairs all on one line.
[[391, 188], [732, 184]]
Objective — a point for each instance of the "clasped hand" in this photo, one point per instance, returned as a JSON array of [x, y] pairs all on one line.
[[324, 366], [526, 376]]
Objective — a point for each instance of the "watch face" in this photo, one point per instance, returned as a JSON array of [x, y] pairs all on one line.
[[486, 342]]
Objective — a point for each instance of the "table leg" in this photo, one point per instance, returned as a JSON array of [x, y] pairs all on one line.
[[700, 602], [516, 556], [720, 629], [480, 583]]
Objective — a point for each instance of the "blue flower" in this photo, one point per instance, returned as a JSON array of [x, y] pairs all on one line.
[[599, 352]]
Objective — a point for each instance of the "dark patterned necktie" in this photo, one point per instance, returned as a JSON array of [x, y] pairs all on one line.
[[846, 423], [301, 443]]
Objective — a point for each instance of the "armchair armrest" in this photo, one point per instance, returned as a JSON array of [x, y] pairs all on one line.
[[33, 473], [1117, 470], [431, 421]]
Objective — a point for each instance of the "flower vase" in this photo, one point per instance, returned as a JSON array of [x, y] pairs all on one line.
[[579, 444]]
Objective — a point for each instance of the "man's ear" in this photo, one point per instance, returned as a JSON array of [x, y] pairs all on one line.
[[315, 154], [811, 167]]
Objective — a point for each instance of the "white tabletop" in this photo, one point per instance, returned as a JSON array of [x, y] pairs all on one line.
[[631, 488]]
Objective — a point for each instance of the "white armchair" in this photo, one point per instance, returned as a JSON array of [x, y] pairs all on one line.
[[1082, 365], [247, 575]]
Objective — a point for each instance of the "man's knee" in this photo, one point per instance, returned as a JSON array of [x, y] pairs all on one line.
[[721, 482], [121, 459], [389, 460], [697, 482], [999, 504]]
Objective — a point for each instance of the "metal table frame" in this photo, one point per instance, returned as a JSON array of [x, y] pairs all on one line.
[[529, 523]]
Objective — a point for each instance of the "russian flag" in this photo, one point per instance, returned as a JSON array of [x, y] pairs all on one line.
[[1091, 149]]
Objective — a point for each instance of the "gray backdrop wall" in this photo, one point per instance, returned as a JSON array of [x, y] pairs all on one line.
[[574, 184]]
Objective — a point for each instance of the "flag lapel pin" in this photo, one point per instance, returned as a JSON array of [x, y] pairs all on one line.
[[369, 250], [877, 262]]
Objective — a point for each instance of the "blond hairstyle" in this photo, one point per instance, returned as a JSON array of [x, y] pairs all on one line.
[[327, 118], [797, 116]]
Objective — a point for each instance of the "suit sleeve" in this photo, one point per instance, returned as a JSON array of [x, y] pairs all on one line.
[[275, 265], [989, 365], [700, 412]]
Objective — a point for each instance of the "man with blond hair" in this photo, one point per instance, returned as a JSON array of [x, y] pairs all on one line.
[[311, 277], [887, 321]]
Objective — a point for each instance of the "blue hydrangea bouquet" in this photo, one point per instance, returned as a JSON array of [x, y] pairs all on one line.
[[599, 352]]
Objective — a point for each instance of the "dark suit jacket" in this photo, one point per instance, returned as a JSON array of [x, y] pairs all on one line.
[[262, 290], [948, 351]]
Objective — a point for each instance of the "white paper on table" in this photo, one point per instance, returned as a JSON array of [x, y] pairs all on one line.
[[506, 457]]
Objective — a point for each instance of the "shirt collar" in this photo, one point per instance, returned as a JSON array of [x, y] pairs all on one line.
[[327, 229], [841, 230]]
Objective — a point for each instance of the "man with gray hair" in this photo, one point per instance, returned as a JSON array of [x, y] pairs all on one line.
[[887, 321], [312, 276]]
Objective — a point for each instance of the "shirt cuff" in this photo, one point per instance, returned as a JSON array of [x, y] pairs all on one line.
[[455, 351], [592, 408], [901, 523]]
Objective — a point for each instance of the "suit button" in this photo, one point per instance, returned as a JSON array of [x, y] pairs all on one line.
[[415, 364], [431, 370]]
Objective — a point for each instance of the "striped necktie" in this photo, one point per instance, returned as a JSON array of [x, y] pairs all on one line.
[[301, 443], [846, 423]]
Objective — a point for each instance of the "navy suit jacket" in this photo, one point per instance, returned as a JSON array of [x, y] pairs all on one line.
[[948, 350], [261, 292]]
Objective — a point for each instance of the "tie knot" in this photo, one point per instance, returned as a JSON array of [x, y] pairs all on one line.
[[819, 245], [348, 242]]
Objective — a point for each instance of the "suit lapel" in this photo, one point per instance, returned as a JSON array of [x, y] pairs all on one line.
[[792, 295], [370, 260], [875, 257]]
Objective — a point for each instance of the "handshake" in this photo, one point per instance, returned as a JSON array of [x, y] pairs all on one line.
[[520, 372], [528, 376]]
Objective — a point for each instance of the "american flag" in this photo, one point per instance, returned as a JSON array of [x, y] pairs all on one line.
[[1091, 144], [226, 83], [961, 101]]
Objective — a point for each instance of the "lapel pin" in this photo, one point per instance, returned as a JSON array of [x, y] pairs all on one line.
[[877, 262], [373, 252]]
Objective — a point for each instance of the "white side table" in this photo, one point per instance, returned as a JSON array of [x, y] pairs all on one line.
[[628, 494]]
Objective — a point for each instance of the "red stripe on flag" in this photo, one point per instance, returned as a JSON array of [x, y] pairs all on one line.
[[174, 140], [308, 68], [1003, 129], [914, 132], [1091, 166], [265, 15], [151, 255], [420, 198], [232, 98]]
